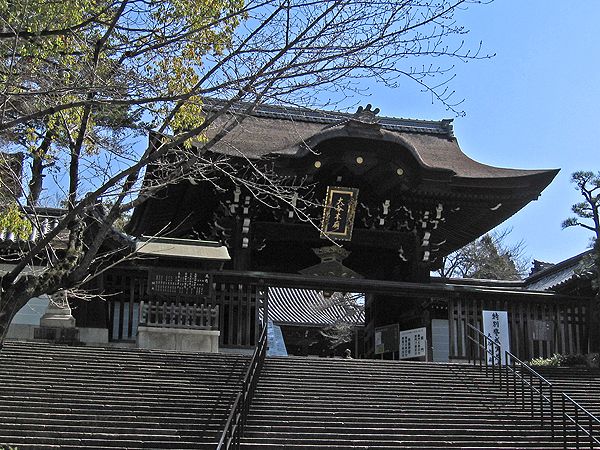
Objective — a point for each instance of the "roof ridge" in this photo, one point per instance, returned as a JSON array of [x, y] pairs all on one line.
[[443, 126]]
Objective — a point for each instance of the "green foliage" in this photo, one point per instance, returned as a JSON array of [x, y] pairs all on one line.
[[13, 221], [558, 360], [588, 184], [138, 61]]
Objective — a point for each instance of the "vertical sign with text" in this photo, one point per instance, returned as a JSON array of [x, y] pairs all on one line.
[[338, 213], [495, 327]]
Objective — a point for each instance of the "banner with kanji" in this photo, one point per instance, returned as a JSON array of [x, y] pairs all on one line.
[[495, 327]]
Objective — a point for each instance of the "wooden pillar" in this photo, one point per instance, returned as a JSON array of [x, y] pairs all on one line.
[[593, 325]]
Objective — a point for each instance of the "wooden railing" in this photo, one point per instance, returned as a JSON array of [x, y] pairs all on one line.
[[179, 315], [533, 392]]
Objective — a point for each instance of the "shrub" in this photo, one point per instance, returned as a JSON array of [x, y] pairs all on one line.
[[557, 360], [573, 360], [553, 361]]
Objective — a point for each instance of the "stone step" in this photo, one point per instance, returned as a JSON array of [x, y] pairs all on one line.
[[410, 406], [138, 403], [398, 445], [76, 394], [118, 433], [377, 432], [388, 395], [354, 421], [505, 442], [109, 441], [172, 417], [138, 424]]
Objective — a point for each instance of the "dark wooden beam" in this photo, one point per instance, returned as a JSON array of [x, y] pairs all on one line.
[[296, 232], [391, 288]]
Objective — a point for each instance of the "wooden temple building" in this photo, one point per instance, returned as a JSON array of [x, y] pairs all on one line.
[[380, 201]]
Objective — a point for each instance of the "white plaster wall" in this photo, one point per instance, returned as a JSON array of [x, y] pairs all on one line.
[[31, 313], [28, 318]]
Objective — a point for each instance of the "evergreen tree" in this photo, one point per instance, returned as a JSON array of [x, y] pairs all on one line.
[[587, 215]]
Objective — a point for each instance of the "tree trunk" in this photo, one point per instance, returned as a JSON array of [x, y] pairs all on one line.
[[7, 312], [14, 297], [35, 184], [37, 170]]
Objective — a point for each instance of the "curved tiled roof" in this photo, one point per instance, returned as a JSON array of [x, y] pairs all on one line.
[[289, 306], [428, 149], [290, 131], [45, 219], [555, 275]]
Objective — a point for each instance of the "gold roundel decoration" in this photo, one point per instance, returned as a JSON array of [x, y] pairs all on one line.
[[317, 164], [400, 171], [359, 160]]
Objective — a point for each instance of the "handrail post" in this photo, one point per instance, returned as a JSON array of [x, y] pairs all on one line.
[[499, 353], [541, 401], [479, 352], [469, 345], [591, 432], [552, 410], [522, 390], [500, 365], [576, 425], [514, 368], [531, 394], [485, 340], [506, 374], [564, 419], [493, 359]]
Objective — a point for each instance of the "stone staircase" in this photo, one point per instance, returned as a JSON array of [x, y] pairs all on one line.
[[100, 398], [306, 403], [97, 398], [580, 383]]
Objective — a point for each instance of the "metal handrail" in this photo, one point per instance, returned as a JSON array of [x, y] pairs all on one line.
[[540, 391], [236, 421], [592, 421]]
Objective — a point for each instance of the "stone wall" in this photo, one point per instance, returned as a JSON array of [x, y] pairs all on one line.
[[180, 339]]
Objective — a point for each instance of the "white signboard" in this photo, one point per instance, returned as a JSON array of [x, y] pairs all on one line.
[[413, 343], [495, 327]]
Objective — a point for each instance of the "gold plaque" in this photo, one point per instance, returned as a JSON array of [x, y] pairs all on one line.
[[338, 213]]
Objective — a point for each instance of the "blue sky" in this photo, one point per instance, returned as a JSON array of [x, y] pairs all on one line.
[[535, 105]]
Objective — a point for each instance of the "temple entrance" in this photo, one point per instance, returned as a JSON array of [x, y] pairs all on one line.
[[241, 301], [369, 205]]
